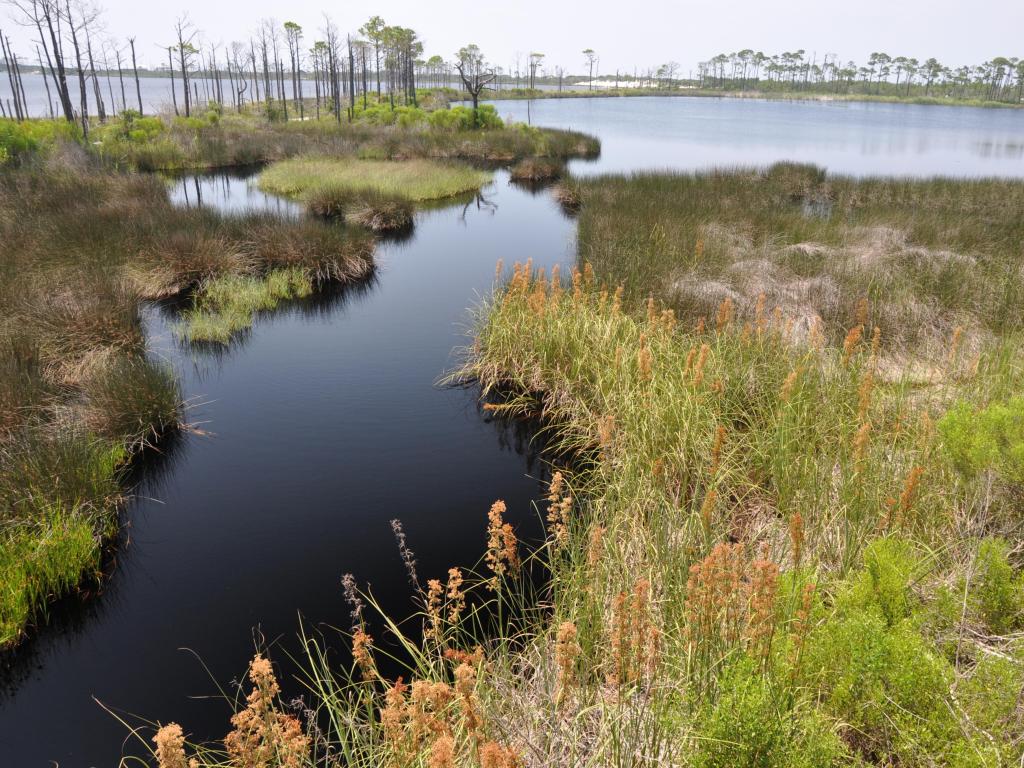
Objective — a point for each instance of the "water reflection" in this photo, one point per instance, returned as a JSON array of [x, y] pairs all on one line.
[[233, 190]]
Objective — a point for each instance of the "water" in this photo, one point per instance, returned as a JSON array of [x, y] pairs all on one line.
[[864, 138], [232, 191], [325, 422]]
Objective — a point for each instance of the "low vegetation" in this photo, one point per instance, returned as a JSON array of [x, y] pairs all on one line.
[[773, 542], [929, 256], [81, 249], [214, 140], [377, 194], [537, 170]]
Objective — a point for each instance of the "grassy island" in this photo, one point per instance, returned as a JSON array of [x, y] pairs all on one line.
[[378, 194]]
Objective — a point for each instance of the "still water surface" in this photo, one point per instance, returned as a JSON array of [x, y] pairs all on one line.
[[325, 422], [844, 137]]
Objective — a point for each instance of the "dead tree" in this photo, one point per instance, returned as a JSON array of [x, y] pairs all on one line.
[[475, 74]]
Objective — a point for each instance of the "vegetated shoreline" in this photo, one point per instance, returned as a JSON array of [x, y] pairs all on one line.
[[531, 95], [83, 395], [84, 248], [786, 547]]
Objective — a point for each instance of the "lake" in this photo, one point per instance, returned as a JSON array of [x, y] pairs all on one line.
[[326, 421]]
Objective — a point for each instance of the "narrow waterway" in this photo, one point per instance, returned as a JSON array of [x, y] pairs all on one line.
[[318, 427], [325, 421]]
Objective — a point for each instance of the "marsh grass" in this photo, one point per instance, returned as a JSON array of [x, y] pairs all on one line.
[[226, 305], [537, 170], [928, 255], [410, 180], [80, 249]]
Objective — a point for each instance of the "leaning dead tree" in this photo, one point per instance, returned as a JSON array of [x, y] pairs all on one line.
[[475, 74]]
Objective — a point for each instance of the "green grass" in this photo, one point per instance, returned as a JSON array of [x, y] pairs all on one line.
[[928, 255], [227, 305], [413, 180]]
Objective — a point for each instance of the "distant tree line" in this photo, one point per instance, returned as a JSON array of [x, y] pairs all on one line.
[[1000, 79], [274, 67]]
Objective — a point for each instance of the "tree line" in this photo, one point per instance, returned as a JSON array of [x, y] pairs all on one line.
[[999, 79], [275, 67]]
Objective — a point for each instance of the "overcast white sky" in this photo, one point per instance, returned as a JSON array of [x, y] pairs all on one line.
[[625, 34]]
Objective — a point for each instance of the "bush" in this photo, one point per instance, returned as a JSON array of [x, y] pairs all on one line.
[[749, 728], [989, 439], [20, 139], [460, 118], [874, 671], [997, 591]]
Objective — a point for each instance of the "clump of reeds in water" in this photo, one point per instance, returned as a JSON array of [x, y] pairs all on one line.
[[374, 211], [567, 194], [536, 169]]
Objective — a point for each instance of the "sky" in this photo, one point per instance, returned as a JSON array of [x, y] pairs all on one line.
[[625, 36]]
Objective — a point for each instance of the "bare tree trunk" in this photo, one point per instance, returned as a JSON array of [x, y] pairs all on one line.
[[351, 82], [135, 69], [81, 74], [57, 69], [10, 79], [42, 71], [174, 93], [120, 77]]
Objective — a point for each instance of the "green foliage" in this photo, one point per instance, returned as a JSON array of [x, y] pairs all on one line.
[[227, 305], [997, 591], [988, 439], [385, 114], [883, 586], [873, 670], [49, 557], [748, 727], [21, 139], [991, 696], [460, 118]]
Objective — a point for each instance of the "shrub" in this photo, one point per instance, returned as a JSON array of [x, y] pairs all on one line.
[[989, 439], [749, 728], [997, 590], [460, 118], [884, 584], [21, 139], [875, 672]]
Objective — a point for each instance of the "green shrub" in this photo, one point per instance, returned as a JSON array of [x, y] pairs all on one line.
[[749, 728], [990, 695], [20, 139], [460, 118], [997, 591], [989, 439], [873, 670], [884, 585]]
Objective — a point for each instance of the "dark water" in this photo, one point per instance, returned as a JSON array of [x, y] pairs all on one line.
[[325, 422], [845, 137]]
